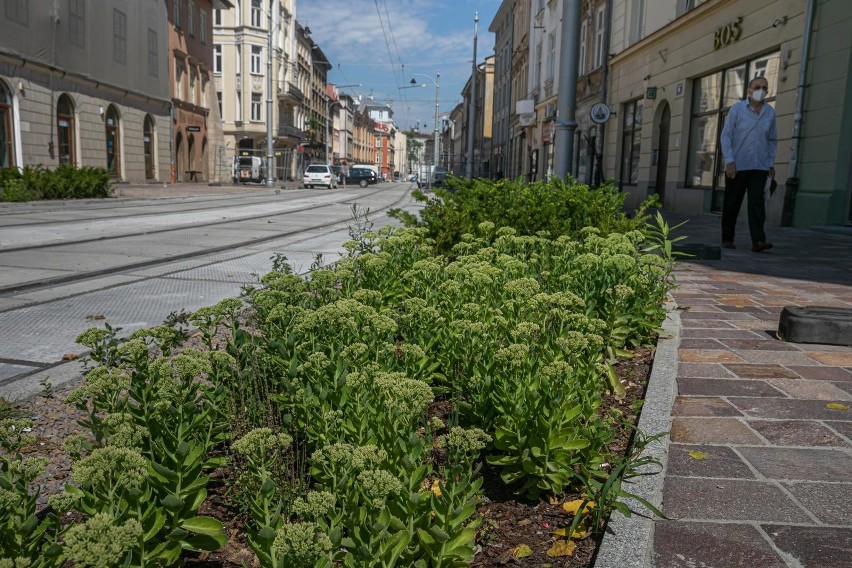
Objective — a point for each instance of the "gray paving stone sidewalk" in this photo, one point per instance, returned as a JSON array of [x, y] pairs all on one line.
[[759, 468]]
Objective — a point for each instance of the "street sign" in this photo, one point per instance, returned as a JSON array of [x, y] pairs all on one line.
[[600, 113]]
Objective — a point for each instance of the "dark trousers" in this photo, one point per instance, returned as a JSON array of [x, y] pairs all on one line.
[[751, 182]]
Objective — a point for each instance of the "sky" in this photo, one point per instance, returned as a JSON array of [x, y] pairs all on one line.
[[383, 44]]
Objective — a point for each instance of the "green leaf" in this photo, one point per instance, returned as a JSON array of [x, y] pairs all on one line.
[[203, 525]]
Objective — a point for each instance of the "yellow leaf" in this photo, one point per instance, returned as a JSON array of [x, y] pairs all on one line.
[[436, 488], [521, 551], [562, 548], [697, 455], [836, 406], [579, 533], [572, 506]]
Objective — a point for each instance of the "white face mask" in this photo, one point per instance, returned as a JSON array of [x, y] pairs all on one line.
[[758, 95]]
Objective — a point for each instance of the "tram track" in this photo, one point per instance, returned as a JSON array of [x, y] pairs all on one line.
[[333, 224]]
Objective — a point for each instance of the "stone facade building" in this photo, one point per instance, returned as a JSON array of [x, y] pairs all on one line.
[[86, 85]]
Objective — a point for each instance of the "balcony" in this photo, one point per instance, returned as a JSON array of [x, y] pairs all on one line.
[[291, 91], [290, 131]]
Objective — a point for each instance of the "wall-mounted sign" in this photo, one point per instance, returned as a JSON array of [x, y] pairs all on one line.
[[727, 34], [193, 129], [600, 113], [679, 89], [651, 93]]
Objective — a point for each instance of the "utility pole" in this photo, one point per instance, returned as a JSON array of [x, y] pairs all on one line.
[[471, 119], [566, 101], [270, 158]]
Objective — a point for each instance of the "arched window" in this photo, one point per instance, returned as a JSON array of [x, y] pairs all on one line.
[[6, 143], [112, 142], [65, 129], [148, 143]]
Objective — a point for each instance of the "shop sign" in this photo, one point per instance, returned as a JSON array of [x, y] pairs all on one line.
[[727, 34], [600, 113], [651, 93], [193, 129]]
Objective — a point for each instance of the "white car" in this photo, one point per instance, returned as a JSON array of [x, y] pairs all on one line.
[[319, 174]]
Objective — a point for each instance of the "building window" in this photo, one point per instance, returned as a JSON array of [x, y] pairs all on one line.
[[112, 142], [178, 80], [77, 23], [712, 97], [581, 60], [239, 107], [256, 106], [176, 13], [599, 38], [18, 11], [217, 58], [551, 57], [190, 18], [255, 58], [119, 37], [153, 55], [637, 21], [219, 102], [239, 61], [631, 140], [256, 13], [6, 142], [192, 91], [202, 26], [148, 145], [538, 65], [217, 17], [65, 129]]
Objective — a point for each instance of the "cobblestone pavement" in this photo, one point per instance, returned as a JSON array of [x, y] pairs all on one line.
[[759, 470]]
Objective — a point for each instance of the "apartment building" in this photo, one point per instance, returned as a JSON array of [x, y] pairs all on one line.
[[196, 123], [241, 62], [86, 84], [501, 26]]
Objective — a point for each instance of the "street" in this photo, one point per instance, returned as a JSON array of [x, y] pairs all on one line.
[[67, 266]]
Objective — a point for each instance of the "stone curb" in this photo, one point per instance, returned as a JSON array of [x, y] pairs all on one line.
[[627, 542]]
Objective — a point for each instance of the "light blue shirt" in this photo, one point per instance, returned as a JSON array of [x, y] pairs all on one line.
[[750, 139]]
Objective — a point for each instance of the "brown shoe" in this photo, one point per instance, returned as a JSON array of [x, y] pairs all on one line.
[[728, 245], [761, 246]]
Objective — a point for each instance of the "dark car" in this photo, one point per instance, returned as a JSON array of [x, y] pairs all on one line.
[[361, 176]]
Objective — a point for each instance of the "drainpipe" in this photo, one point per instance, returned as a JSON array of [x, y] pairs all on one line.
[[566, 100], [792, 185], [598, 179]]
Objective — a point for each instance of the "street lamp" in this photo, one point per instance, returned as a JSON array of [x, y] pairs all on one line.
[[437, 83]]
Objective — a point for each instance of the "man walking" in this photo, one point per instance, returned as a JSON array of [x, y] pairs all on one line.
[[749, 142], [344, 173]]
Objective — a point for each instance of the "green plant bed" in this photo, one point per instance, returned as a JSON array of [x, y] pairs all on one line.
[[553, 207], [322, 395], [64, 182]]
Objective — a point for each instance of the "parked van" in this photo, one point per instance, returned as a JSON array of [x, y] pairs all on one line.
[[248, 169]]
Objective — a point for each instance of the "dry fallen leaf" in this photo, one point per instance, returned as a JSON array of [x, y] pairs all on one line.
[[572, 506], [696, 455], [524, 522], [579, 533], [69, 356], [95, 317], [836, 406], [521, 551], [562, 548]]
